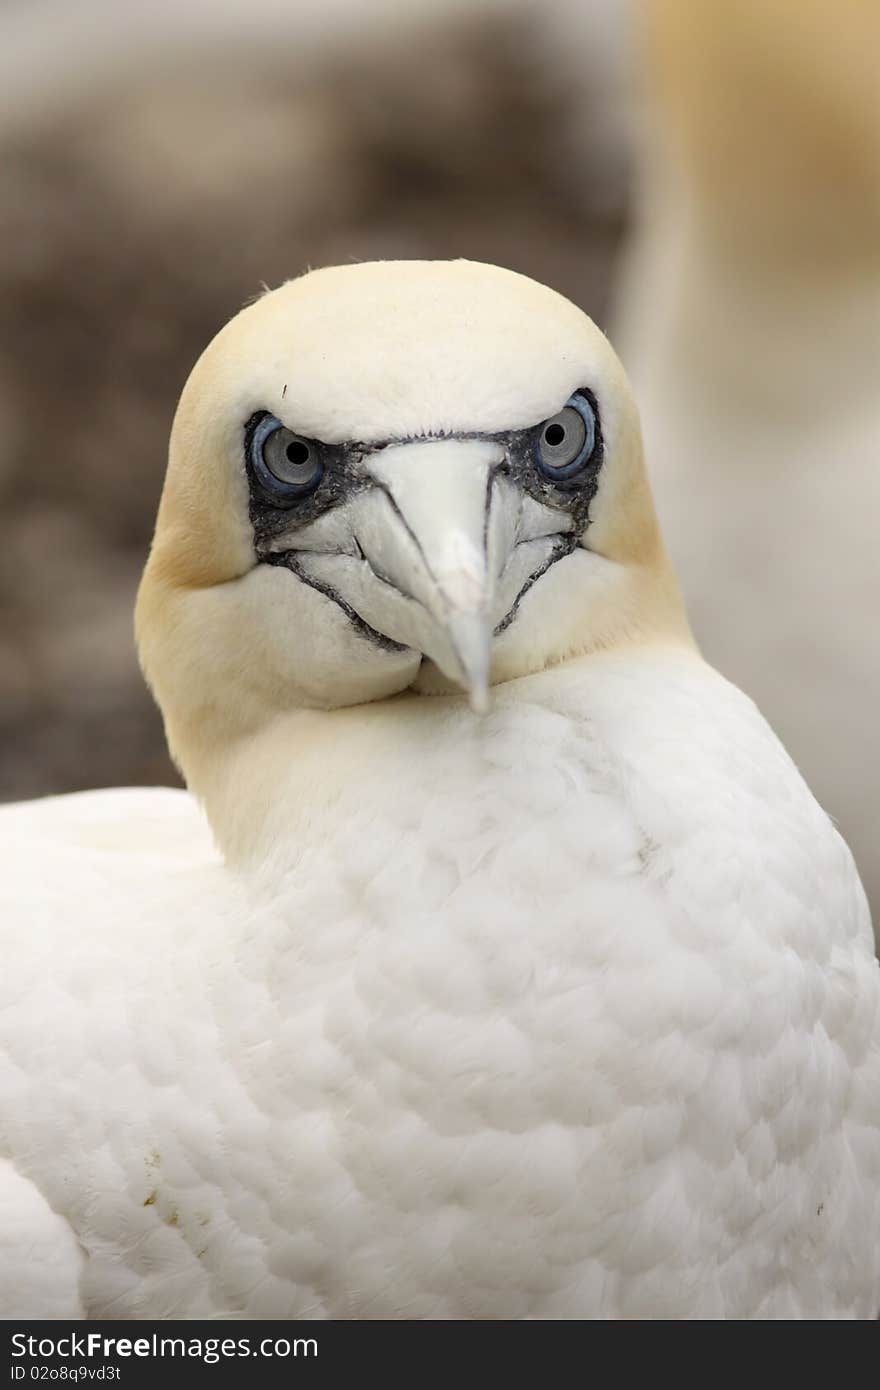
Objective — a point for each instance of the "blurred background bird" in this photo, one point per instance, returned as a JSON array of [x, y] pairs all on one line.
[[749, 319], [702, 178]]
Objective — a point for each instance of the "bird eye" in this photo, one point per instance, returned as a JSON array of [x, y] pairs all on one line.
[[286, 464], [566, 441]]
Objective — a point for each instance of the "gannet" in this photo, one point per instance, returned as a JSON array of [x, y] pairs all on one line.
[[519, 975], [748, 320]]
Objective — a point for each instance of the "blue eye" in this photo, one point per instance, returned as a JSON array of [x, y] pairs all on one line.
[[287, 465], [566, 441]]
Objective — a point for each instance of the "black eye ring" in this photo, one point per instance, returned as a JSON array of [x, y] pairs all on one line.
[[567, 441], [287, 466]]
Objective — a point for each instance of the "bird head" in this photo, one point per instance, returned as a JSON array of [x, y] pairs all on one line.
[[421, 476]]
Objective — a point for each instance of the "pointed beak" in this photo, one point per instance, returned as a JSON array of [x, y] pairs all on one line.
[[433, 550], [437, 527], [469, 635]]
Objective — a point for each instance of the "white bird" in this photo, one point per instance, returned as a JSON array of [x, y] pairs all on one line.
[[749, 322], [567, 1009]]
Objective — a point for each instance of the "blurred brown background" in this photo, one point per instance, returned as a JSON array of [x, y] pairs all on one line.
[[158, 167]]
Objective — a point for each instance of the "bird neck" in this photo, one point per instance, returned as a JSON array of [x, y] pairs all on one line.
[[271, 792], [299, 785]]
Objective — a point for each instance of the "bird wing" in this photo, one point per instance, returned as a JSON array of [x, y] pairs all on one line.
[[42, 1261], [140, 821], [108, 901]]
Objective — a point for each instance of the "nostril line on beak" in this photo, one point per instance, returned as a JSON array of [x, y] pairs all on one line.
[[378, 573], [497, 563], [392, 502]]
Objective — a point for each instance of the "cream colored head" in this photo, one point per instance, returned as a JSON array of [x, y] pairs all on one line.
[[426, 533]]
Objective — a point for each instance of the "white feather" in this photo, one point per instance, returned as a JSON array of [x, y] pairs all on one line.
[[590, 1031]]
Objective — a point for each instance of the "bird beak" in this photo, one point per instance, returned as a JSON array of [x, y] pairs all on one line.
[[433, 552], [426, 528]]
